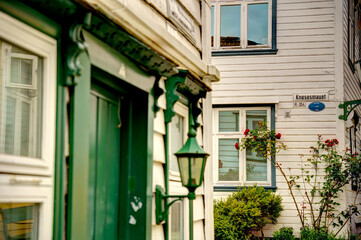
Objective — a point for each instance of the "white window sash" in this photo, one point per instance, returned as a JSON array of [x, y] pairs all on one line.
[[242, 154], [244, 24]]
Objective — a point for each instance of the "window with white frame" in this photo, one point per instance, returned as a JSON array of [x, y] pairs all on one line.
[[177, 137], [234, 167], [27, 130], [353, 30], [241, 24]]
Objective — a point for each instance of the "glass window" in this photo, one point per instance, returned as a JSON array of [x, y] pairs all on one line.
[[243, 24], [212, 26], [228, 160], [230, 25], [177, 221], [21, 95], [256, 166], [257, 24], [229, 121], [233, 165], [177, 139], [19, 221], [28, 83]]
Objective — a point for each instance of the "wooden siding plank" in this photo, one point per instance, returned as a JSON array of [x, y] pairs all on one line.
[[158, 148]]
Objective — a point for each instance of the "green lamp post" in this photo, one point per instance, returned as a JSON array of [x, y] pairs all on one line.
[[191, 162]]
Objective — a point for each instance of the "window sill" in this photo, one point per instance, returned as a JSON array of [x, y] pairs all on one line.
[[235, 188], [216, 53]]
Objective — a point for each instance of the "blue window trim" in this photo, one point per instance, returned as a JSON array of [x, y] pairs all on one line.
[[268, 51], [273, 127], [236, 188]]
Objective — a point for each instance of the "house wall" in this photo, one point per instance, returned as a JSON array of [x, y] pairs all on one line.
[[175, 186], [158, 23], [305, 63], [352, 91]]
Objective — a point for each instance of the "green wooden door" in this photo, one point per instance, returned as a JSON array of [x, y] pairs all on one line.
[[104, 164]]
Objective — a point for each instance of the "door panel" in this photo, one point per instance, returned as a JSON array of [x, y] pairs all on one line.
[[104, 166]]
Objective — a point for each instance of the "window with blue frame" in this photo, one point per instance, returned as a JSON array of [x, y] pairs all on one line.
[[243, 25], [234, 167]]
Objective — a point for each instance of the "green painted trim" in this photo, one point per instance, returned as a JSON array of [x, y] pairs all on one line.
[[166, 178], [348, 107], [75, 45], [162, 209], [235, 188], [31, 17], [126, 44], [149, 168], [79, 153], [171, 94], [60, 168]]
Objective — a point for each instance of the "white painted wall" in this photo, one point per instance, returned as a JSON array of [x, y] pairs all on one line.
[[310, 59]]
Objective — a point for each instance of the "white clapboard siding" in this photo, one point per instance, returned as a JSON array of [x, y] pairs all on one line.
[[352, 92], [304, 64], [157, 232], [198, 230]]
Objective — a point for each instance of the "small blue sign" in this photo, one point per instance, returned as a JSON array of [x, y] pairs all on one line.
[[316, 106]]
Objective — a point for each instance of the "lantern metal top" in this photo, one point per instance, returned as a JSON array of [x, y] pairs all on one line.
[[191, 148]]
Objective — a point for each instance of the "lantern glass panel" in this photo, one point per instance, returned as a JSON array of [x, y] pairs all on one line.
[[196, 163], [183, 163]]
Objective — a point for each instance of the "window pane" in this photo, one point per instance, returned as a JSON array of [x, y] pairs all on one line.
[[258, 24], [228, 160], [256, 166], [177, 219], [230, 25], [177, 139], [212, 26], [20, 98], [229, 121], [21, 70], [19, 220]]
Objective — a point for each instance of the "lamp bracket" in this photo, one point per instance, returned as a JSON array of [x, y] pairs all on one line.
[[347, 108], [161, 210], [171, 95]]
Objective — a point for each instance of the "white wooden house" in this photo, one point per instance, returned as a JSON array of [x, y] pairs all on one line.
[[87, 129], [275, 58]]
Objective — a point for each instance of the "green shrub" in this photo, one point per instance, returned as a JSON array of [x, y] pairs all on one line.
[[308, 233], [244, 212], [285, 233]]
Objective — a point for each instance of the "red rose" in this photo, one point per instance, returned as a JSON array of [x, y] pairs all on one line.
[[255, 138], [236, 146], [335, 141], [327, 141], [278, 136], [246, 132]]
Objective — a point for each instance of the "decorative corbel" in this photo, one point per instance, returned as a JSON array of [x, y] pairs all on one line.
[[75, 45], [195, 111], [171, 95], [157, 92], [348, 107]]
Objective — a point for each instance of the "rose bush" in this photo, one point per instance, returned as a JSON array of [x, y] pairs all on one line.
[[338, 168]]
